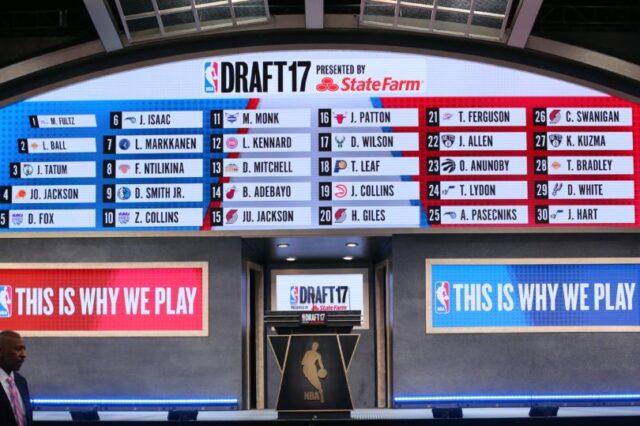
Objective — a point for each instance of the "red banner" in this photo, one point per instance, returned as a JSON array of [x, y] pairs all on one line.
[[106, 299]]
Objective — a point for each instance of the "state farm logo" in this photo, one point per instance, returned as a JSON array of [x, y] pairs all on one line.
[[326, 84], [368, 84]]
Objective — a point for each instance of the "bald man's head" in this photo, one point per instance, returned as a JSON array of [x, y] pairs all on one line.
[[13, 351]]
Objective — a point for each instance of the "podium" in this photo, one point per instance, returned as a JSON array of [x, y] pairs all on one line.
[[314, 350]]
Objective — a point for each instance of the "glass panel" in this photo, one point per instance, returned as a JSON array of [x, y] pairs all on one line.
[[413, 12], [372, 10], [181, 18], [488, 22], [132, 7], [143, 24], [216, 2], [454, 17], [457, 4], [249, 10], [249, 2], [214, 14], [169, 4], [492, 6], [416, 3]]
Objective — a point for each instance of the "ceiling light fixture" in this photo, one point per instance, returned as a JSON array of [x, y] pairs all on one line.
[[282, 245], [347, 257], [290, 259], [352, 244]]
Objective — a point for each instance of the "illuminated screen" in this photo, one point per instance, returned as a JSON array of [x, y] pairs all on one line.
[[321, 290], [318, 140], [105, 299], [533, 295]]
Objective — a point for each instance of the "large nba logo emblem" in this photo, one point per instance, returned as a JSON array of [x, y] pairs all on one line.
[[5, 301], [293, 295], [210, 77], [442, 297]]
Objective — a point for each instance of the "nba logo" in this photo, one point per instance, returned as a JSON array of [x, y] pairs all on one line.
[[293, 295], [210, 77], [442, 297], [5, 301]]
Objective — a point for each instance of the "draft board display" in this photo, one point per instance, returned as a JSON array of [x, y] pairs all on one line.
[[321, 290], [532, 295], [316, 140], [105, 299]]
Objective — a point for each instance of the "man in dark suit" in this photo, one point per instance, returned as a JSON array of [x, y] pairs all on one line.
[[15, 402]]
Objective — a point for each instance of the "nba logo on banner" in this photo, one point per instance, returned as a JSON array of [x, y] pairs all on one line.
[[293, 295], [210, 77], [442, 297], [5, 301]]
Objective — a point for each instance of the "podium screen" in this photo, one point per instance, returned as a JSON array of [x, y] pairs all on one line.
[[320, 290]]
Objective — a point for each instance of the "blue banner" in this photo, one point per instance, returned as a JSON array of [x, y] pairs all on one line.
[[556, 295]]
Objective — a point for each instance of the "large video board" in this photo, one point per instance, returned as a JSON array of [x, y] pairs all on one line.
[[297, 140]]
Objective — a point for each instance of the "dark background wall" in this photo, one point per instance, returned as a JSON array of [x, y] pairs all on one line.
[[472, 364], [179, 367], [422, 364]]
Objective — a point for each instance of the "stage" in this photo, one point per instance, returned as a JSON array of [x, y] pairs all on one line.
[[480, 416]]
